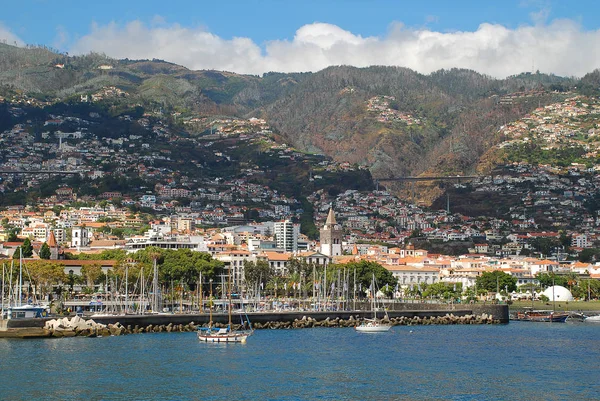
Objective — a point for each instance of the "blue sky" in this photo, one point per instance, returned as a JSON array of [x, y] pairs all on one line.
[[418, 33]]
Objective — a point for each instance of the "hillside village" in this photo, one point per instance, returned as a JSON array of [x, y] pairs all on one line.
[[546, 227]]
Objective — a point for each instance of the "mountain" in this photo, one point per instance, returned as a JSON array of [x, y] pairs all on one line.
[[393, 120]]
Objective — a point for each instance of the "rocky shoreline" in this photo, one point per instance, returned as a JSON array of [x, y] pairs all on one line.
[[77, 326]]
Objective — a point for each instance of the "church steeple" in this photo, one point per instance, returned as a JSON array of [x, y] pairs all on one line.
[[53, 245], [330, 218], [331, 236]]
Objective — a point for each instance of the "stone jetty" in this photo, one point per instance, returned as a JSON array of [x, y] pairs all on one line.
[[308, 322], [77, 326]]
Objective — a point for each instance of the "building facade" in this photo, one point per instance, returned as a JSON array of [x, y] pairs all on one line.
[[286, 235]]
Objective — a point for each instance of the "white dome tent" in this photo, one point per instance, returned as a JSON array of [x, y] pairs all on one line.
[[558, 293]]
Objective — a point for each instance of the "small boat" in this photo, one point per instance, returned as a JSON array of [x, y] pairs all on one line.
[[542, 316], [227, 334], [25, 312], [373, 325], [223, 335], [592, 319]]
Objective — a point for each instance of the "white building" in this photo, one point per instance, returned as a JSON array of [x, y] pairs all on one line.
[[80, 237], [580, 241], [408, 275], [286, 235]]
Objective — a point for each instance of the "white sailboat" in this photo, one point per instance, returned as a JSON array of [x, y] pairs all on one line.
[[373, 325], [227, 334]]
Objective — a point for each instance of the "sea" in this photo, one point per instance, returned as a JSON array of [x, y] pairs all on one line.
[[515, 361]]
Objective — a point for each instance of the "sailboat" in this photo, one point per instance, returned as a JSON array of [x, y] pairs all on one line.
[[373, 325], [21, 311], [227, 334]]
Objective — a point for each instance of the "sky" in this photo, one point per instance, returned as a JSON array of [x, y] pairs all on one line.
[[494, 37]]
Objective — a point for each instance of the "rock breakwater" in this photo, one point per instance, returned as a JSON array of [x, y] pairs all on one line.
[[448, 319], [77, 326]]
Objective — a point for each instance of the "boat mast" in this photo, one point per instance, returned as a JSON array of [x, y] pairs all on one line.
[[373, 298], [20, 273], [11, 289], [210, 303], [229, 289], [155, 290], [143, 295], [3, 269], [200, 301], [126, 288], [354, 290]]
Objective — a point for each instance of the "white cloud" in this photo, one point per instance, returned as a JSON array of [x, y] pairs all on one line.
[[61, 38], [561, 47], [6, 36]]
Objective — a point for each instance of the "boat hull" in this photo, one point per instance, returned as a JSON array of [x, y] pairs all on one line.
[[543, 317], [372, 326], [224, 338]]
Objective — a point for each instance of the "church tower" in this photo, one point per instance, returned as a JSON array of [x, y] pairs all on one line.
[[331, 236], [53, 245]]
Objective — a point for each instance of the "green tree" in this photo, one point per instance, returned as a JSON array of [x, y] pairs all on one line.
[[45, 274], [27, 248], [12, 235], [550, 279], [45, 251], [103, 204], [545, 246], [589, 255], [91, 273], [497, 279], [258, 272], [364, 274], [443, 290]]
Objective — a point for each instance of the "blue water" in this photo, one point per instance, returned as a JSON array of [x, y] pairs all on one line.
[[518, 361]]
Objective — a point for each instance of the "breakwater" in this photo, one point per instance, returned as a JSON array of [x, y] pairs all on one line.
[[409, 314]]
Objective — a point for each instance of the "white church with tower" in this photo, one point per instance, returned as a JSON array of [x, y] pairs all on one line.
[[331, 236]]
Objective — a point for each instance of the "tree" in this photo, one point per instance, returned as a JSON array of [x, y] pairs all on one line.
[[12, 235], [45, 274], [589, 255], [27, 248], [103, 204], [496, 280], [91, 273], [364, 274], [550, 279], [257, 273], [443, 290], [45, 251]]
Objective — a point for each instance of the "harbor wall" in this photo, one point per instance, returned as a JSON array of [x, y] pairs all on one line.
[[409, 310]]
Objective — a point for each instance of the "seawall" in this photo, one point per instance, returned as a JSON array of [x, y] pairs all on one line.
[[408, 310]]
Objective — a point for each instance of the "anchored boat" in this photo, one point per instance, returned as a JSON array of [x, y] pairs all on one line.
[[227, 334], [373, 325], [542, 316]]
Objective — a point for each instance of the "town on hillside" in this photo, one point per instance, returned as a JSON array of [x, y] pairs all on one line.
[[142, 184]]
